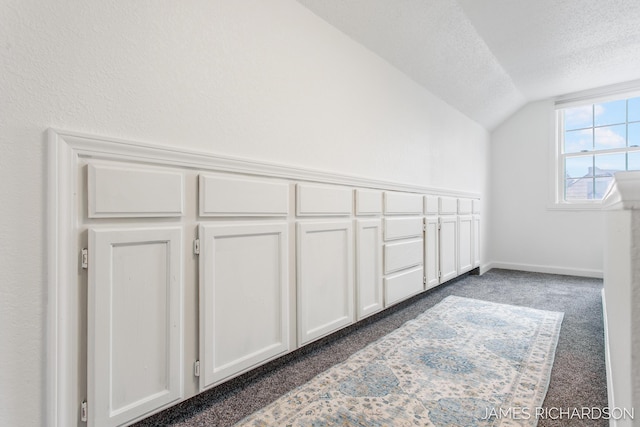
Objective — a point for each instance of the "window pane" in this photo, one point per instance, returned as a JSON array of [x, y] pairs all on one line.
[[579, 178], [634, 109], [608, 164], [579, 117], [602, 184], [634, 134], [610, 137], [610, 113], [634, 161], [576, 141]]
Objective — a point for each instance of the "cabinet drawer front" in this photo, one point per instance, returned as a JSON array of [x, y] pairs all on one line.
[[235, 196], [124, 192], [476, 206], [431, 205], [398, 256], [401, 228], [465, 206], [403, 285], [323, 200], [396, 203], [448, 205], [368, 202]]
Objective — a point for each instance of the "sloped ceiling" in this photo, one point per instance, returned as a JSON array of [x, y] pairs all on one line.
[[487, 58]]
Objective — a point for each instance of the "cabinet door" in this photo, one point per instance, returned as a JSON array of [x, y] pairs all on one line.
[[368, 267], [243, 298], [476, 241], [431, 251], [134, 323], [465, 244], [325, 278], [448, 247]]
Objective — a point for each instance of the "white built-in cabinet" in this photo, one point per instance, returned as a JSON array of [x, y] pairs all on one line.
[[193, 269]]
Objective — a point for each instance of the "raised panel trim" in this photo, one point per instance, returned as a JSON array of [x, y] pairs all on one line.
[[465, 206], [431, 252], [401, 255], [465, 241], [305, 333], [403, 285], [368, 202], [101, 243], [450, 243], [448, 205], [476, 241], [240, 196], [431, 205], [118, 191], [361, 263], [314, 200], [211, 374], [397, 203], [402, 228]]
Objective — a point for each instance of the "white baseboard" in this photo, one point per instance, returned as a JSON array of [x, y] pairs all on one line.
[[566, 271]]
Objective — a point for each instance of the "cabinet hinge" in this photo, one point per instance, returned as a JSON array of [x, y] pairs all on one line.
[[424, 280], [439, 274], [83, 411], [196, 246], [424, 227], [196, 368], [84, 258]]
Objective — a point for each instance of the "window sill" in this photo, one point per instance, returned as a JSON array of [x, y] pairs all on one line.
[[576, 206]]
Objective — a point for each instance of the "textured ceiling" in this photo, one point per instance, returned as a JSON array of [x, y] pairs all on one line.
[[488, 58]]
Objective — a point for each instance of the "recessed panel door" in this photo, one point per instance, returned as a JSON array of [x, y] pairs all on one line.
[[465, 243], [244, 304], [448, 247], [369, 293], [431, 251], [325, 278], [134, 323]]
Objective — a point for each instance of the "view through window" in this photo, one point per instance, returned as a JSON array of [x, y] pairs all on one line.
[[598, 140]]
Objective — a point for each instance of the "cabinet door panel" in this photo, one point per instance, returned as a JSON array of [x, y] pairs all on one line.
[[403, 285], [465, 246], [405, 254], [402, 228], [448, 248], [325, 278], [134, 322], [368, 267], [431, 251], [476, 241], [243, 298]]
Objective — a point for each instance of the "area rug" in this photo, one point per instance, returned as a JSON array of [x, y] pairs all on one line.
[[464, 362]]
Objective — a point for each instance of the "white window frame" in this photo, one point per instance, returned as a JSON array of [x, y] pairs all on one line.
[[557, 181]]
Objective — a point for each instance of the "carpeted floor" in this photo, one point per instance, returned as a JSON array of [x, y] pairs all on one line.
[[578, 378]]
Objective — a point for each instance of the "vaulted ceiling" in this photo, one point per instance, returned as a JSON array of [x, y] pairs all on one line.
[[488, 58]]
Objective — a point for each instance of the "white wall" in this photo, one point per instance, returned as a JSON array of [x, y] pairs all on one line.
[[262, 80], [525, 234]]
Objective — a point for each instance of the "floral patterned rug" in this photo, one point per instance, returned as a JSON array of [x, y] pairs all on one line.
[[464, 362]]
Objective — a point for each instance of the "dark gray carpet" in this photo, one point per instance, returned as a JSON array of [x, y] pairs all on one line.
[[578, 378]]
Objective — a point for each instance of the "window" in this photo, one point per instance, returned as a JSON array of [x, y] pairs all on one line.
[[594, 142]]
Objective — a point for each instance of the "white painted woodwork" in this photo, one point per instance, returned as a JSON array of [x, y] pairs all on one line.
[[397, 203], [465, 206], [476, 241], [118, 191], [368, 202], [402, 228], [431, 251], [476, 206], [369, 289], [448, 205], [404, 254], [244, 297], [325, 278], [431, 205], [448, 247], [465, 243], [403, 285], [240, 196], [134, 322], [323, 200]]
